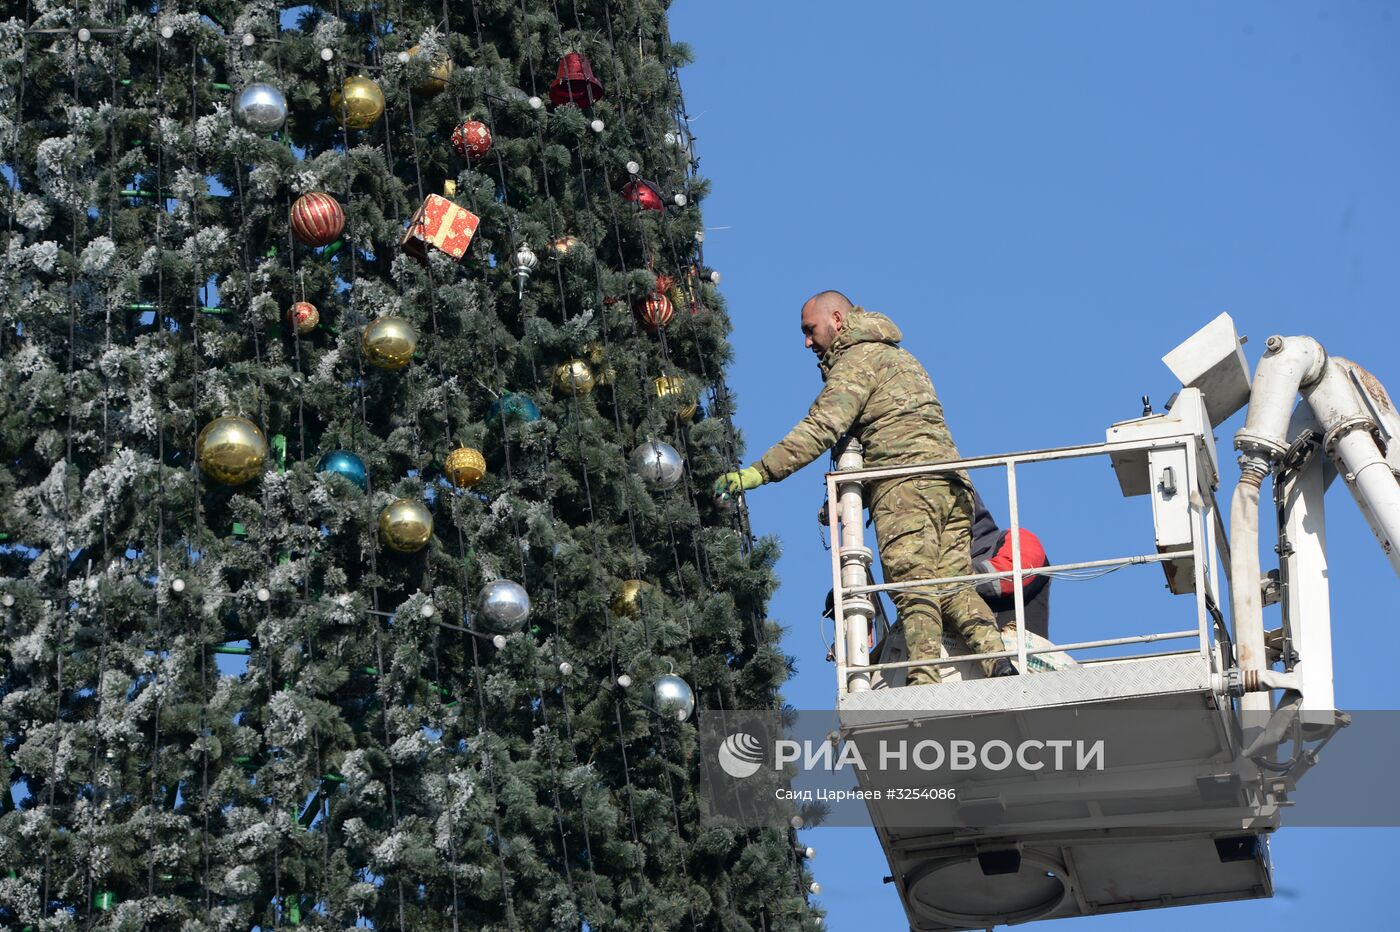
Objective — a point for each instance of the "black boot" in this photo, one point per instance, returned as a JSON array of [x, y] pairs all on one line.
[[1004, 667]]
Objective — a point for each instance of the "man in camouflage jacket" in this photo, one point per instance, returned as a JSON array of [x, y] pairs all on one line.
[[880, 394]]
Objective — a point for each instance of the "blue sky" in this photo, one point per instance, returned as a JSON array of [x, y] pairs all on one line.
[[1047, 197]]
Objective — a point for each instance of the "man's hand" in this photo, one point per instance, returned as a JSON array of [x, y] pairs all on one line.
[[731, 483]]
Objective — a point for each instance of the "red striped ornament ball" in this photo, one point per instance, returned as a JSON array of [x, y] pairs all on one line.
[[471, 139], [317, 219], [655, 311]]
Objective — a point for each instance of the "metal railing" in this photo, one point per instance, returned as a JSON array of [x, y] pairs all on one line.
[[850, 557]]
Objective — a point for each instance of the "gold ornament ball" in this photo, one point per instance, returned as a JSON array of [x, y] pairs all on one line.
[[674, 385], [231, 450], [465, 467], [561, 246], [389, 342], [436, 81], [405, 525], [628, 600], [574, 377], [358, 103]]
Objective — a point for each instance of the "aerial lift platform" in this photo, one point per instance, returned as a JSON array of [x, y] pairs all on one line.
[[1194, 720]]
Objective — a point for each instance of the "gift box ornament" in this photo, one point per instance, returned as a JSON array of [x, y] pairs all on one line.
[[441, 224]]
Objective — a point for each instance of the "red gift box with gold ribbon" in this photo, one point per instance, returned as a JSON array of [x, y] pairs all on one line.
[[441, 224]]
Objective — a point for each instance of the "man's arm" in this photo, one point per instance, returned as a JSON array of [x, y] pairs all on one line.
[[847, 388]]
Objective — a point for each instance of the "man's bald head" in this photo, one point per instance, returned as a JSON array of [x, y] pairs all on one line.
[[823, 316]]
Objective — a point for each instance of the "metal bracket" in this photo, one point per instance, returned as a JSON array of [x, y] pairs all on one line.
[[1270, 587]]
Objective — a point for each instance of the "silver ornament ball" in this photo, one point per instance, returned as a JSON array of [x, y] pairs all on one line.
[[504, 604], [262, 108], [673, 695], [499, 641], [659, 465]]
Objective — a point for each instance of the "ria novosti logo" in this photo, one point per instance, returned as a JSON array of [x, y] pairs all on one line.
[[741, 755]]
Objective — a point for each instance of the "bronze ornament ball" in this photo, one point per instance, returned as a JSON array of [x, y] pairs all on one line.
[[436, 81], [465, 467], [358, 103], [231, 450], [388, 342], [627, 603], [673, 386], [405, 525], [561, 246], [574, 377]]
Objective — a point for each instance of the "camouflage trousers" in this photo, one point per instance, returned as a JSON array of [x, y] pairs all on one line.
[[924, 529]]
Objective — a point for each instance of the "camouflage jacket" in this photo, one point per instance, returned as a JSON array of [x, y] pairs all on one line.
[[876, 392]]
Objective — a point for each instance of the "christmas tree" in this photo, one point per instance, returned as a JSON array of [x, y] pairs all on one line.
[[363, 382]]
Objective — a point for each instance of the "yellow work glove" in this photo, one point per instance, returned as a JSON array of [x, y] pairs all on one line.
[[730, 484]]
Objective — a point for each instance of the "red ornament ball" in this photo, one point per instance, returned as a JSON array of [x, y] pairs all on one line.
[[303, 316], [317, 219], [643, 194], [655, 311], [471, 140]]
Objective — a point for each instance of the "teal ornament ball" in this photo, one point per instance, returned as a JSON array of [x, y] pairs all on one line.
[[344, 463], [513, 406]]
